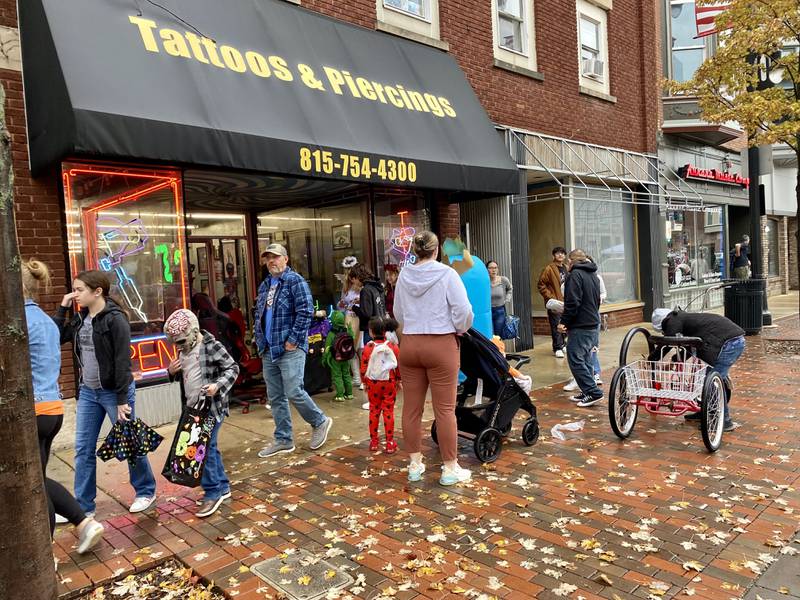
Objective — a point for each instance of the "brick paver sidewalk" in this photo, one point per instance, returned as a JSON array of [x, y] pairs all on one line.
[[591, 517]]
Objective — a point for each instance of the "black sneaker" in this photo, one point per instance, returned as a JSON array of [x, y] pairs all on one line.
[[589, 401], [730, 425]]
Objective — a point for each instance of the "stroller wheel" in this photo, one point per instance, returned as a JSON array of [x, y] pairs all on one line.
[[530, 432], [488, 444], [434, 435]]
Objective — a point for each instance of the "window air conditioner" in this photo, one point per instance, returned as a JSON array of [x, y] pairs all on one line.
[[592, 67]]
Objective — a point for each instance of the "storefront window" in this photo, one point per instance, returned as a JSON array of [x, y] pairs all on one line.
[[695, 251], [397, 220], [605, 230], [317, 240], [773, 249], [129, 224]]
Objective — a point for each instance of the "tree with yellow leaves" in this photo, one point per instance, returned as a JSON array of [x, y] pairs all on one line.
[[730, 85]]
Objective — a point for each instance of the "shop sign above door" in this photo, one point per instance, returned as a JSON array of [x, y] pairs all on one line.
[[725, 177]]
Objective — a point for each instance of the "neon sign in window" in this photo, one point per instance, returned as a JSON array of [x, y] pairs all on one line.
[[129, 223]]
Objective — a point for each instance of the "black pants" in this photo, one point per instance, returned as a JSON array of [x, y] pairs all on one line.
[[558, 337], [59, 500]]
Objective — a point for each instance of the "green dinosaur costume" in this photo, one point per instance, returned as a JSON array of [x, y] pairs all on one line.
[[341, 376]]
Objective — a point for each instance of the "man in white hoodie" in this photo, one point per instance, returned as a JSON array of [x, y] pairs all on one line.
[[432, 307]]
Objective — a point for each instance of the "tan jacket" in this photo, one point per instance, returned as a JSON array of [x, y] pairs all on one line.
[[550, 283]]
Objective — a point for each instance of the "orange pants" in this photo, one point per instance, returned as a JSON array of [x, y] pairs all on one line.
[[430, 361]]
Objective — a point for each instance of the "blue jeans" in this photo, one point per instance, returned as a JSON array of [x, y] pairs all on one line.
[[93, 406], [730, 353], [498, 319], [596, 355], [284, 379], [579, 356], [214, 481]]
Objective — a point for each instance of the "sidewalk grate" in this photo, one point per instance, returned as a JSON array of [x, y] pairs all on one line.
[[301, 575]]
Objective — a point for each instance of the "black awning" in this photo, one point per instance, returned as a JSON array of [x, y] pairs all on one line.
[[252, 84]]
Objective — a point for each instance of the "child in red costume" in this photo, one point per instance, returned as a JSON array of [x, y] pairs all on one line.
[[382, 380]]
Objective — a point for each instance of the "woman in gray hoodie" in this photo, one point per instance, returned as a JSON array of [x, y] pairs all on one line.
[[432, 308]]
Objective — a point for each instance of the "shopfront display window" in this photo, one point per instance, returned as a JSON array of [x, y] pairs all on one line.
[[773, 248], [129, 223], [694, 247], [605, 231], [397, 220]]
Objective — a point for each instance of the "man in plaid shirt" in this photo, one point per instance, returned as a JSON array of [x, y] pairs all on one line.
[[207, 370], [283, 315]]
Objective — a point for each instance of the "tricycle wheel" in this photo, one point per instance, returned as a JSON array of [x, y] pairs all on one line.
[[530, 432], [626, 343], [622, 412], [434, 435], [488, 444], [712, 413]]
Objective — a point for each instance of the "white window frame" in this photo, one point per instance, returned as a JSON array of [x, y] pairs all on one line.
[[599, 15], [701, 42], [507, 57], [426, 10], [407, 24]]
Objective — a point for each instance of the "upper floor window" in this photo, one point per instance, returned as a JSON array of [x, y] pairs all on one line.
[[590, 38], [417, 8], [687, 53], [511, 24], [593, 46]]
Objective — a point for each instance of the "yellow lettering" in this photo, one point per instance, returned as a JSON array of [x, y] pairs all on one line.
[[433, 103], [378, 87], [418, 101], [391, 93], [335, 78], [281, 68], [233, 59], [146, 27], [351, 84], [174, 43], [257, 63], [197, 47], [366, 88], [211, 49], [448, 110], [404, 96], [308, 77]]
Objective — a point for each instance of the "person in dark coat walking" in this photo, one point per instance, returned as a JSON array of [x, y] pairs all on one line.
[[723, 342], [372, 299], [581, 318]]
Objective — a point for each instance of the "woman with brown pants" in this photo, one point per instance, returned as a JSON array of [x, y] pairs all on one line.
[[431, 305]]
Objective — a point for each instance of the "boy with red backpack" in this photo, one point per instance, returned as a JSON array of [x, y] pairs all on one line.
[[340, 348], [381, 375]]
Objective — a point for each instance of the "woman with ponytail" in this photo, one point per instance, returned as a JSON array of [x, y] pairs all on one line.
[[45, 355], [101, 338]]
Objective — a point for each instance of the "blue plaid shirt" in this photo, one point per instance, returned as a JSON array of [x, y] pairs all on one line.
[[292, 311]]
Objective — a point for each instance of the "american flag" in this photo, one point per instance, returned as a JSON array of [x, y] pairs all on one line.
[[705, 15]]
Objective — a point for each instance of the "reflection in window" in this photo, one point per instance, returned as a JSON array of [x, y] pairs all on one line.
[[590, 38], [695, 254], [418, 8], [129, 224], [511, 19], [773, 249], [605, 230], [688, 53]]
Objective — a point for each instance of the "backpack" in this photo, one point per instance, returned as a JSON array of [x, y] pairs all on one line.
[[381, 363], [343, 347]]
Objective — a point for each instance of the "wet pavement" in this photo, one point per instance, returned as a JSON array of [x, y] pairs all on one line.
[[655, 516]]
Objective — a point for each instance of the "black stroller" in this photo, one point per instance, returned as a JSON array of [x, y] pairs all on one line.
[[488, 421]]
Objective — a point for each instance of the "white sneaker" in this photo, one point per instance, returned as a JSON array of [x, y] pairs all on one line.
[[90, 535], [597, 379], [559, 354], [415, 471], [361, 386], [365, 406], [61, 520], [454, 476], [142, 503], [571, 386]]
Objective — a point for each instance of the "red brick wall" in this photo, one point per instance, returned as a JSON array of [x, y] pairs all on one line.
[[618, 318], [449, 218], [793, 276]]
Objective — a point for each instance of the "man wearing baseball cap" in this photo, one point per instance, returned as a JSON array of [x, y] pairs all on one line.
[[284, 310]]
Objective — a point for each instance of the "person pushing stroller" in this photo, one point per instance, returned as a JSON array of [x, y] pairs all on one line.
[[723, 344]]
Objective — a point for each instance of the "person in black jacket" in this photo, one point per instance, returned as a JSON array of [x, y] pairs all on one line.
[[723, 342], [372, 299], [101, 338], [581, 318]]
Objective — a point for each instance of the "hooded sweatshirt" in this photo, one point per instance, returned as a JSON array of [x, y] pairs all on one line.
[[431, 299], [372, 303], [582, 297], [338, 325]]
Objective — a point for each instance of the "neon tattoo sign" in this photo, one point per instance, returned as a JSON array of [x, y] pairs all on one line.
[[401, 241]]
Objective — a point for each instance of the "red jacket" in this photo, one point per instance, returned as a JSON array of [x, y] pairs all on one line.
[[367, 352]]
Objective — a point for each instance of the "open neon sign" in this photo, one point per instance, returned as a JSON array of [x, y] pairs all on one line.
[[152, 355]]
